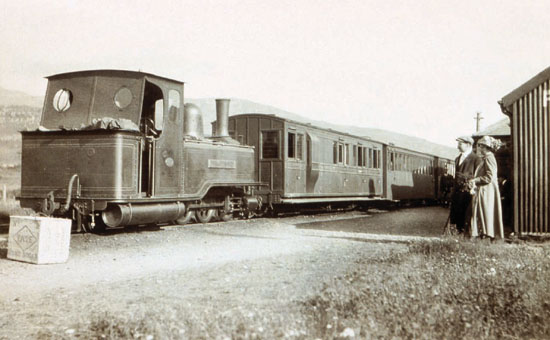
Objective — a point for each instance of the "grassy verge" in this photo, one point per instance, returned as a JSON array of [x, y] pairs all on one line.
[[439, 290], [436, 290]]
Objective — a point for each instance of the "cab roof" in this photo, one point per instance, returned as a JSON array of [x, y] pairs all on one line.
[[110, 73]]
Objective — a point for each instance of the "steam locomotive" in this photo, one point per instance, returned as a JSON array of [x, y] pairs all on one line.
[[118, 148]]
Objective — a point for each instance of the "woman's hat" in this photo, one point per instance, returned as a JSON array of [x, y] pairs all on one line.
[[489, 142]]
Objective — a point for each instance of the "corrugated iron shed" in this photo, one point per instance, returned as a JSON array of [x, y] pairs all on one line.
[[528, 108]]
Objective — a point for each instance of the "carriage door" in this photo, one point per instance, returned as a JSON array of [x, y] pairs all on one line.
[[295, 165], [312, 172], [389, 174], [437, 176], [386, 165]]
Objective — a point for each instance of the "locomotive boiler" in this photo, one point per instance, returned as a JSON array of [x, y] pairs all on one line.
[[118, 148]]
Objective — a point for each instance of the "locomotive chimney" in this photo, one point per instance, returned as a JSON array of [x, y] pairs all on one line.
[[222, 117]]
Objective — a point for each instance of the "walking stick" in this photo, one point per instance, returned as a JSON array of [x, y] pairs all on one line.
[[447, 228]]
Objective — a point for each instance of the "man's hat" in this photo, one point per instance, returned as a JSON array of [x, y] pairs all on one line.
[[466, 139]]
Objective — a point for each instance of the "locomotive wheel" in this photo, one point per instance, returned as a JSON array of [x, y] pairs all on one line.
[[205, 215], [187, 218]]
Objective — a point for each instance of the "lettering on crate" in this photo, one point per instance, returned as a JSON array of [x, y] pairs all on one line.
[[25, 238]]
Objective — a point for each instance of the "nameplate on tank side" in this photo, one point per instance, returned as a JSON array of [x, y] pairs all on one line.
[[222, 164]]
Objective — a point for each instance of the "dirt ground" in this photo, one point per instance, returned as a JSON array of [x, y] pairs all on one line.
[[261, 265]]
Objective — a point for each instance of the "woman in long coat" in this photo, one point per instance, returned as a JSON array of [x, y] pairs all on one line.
[[486, 206]]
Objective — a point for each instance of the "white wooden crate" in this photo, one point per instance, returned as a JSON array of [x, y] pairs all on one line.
[[39, 240]]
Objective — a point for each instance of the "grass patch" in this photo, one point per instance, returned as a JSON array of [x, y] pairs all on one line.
[[441, 289], [436, 290], [179, 322]]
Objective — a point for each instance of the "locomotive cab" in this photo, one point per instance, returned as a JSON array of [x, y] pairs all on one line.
[[111, 129]]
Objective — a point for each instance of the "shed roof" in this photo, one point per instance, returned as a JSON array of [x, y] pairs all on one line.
[[513, 96], [500, 128]]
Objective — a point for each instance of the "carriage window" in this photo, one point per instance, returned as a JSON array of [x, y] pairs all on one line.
[[270, 144], [395, 162], [355, 155], [340, 153], [360, 157], [291, 145], [347, 154], [399, 162], [299, 146], [62, 100], [375, 159], [335, 152], [370, 159]]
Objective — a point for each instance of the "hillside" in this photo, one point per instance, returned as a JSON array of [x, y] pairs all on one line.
[[237, 106], [17, 98]]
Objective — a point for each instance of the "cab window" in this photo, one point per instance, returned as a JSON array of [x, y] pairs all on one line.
[[159, 114]]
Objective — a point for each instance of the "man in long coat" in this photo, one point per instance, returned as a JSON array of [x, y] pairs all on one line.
[[465, 167]]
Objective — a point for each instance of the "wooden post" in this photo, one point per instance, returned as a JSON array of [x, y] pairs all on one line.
[[478, 119]]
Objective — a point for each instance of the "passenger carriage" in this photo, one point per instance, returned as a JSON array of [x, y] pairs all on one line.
[[304, 164]]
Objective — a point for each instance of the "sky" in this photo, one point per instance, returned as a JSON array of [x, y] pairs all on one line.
[[423, 68]]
